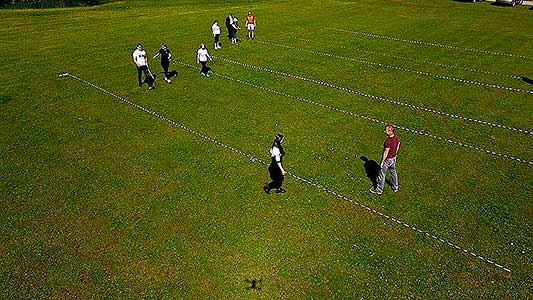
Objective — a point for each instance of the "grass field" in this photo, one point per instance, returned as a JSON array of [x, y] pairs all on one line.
[[102, 200]]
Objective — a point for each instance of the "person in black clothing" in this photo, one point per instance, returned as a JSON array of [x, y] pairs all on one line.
[[277, 173], [165, 54], [229, 26]]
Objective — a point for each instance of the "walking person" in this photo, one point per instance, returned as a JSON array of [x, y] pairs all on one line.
[[201, 58], [141, 61], [165, 54], [215, 28], [388, 161], [277, 173], [250, 25]]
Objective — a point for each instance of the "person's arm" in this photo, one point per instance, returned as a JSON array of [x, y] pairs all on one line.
[[156, 55], [385, 153], [169, 54], [198, 58], [281, 168], [134, 59], [398, 148]]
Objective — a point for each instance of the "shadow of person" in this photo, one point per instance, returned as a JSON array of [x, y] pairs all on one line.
[[526, 79], [372, 169]]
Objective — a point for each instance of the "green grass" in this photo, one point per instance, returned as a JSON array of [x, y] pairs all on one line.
[[103, 201]]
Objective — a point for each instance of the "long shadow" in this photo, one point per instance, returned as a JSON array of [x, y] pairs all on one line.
[[525, 79], [372, 169]]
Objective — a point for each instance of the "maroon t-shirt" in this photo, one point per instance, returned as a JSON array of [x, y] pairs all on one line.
[[392, 144]]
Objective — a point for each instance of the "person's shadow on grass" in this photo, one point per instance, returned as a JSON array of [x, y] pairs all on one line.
[[372, 169], [527, 79]]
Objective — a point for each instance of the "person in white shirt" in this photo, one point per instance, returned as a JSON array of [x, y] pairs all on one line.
[[215, 28], [201, 58], [235, 28], [277, 173], [141, 61]]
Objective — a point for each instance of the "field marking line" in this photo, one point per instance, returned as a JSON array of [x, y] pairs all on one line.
[[335, 109], [431, 44], [399, 68], [428, 62], [253, 159], [375, 97]]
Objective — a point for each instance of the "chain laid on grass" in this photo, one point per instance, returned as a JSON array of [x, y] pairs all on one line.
[[423, 73], [412, 130], [473, 70], [374, 97], [298, 178], [437, 45]]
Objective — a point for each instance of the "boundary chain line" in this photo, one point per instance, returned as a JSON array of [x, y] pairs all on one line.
[[298, 178], [424, 62], [386, 37], [424, 73], [378, 98], [415, 131]]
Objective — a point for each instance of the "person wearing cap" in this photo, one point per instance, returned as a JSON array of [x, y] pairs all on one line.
[[250, 25], [235, 28], [388, 161], [275, 169], [141, 61], [202, 57], [165, 54]]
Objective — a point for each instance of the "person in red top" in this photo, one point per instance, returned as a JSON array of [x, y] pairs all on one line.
[[388, 161], [250, 25]]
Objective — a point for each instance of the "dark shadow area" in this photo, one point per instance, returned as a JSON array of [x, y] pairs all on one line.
[[4, 99], [371, 169], [526, 79], [471, 1], [254, 284]]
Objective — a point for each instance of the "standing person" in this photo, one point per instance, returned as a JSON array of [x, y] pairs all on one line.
[[277, 173], [250, 25], [215, 28], [229, 27], [235, 25], [165, 54], [141, 61], [201, 58], [388, 161]]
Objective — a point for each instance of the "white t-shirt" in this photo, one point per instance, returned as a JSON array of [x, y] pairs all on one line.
[[202, 54], [139, 56], [215, 28], [275, 153]]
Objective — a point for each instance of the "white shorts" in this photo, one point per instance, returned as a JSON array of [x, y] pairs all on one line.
[[251, 27]]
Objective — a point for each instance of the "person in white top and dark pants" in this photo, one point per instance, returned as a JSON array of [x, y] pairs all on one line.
[[215, 28], [201, 58], [275, 169], [141, 61]]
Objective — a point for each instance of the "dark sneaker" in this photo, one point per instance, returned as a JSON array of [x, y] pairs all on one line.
[[373, 191], [280, 191], [266, 189]]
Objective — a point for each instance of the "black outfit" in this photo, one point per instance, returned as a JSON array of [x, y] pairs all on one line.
[[165, 60], [205, 68], [147, 78], [217, 40], [229, 27], [275, 174]]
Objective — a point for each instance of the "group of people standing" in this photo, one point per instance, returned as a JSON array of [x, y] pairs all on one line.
[[276, 151]]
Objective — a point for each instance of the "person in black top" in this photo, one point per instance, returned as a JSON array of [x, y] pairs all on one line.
[[277, 173], [229, 27], [165, 54]]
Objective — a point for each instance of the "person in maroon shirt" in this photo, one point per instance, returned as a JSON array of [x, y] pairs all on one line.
[[388, 161]]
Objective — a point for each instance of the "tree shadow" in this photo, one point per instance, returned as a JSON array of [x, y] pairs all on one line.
[[526, 79]]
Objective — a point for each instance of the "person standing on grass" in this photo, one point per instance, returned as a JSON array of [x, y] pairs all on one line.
[[201, 58], [250, 25], [235, 25], [277, 173], [229, 27], [141, 61], [215, 28], [165, 54], [388, 161]]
